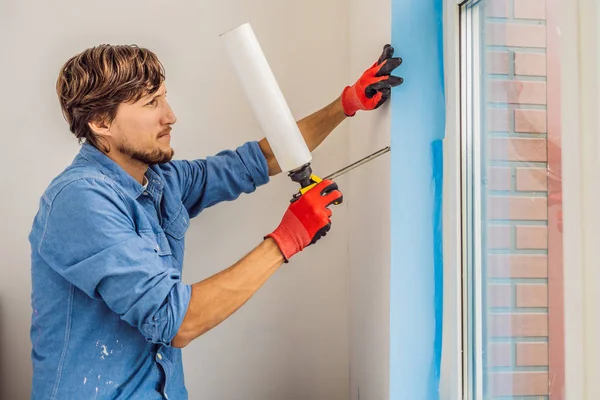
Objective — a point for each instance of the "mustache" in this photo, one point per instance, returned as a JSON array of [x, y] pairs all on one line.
[[165, 132]]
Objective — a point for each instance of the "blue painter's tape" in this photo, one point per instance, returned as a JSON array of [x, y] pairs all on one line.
[[437, 152], [418, 127]]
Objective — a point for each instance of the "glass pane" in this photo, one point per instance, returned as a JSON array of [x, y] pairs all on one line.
[[513, 201]]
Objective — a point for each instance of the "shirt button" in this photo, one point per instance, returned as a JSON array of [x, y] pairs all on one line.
[[145, 193], [159, 356]]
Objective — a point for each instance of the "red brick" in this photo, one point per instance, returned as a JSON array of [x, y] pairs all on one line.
[[518, 149], [532, 354], [530, 64], [532, 237], [518, 325], [498, 119], [532, 179], [532, 295], [517, 208], [499, 355], [499, 237], [499, 295], [499, 178], [498, 62], [518, 266], [497, 8], [516, 35], [530, 9], [519, 384], [531, 121], [517, 92]]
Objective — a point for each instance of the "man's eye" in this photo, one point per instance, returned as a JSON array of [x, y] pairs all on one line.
[[153, 102]]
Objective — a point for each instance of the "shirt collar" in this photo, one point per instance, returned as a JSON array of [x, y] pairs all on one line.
[[119, 175]]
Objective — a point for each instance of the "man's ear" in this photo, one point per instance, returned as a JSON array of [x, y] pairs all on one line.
[[100, 126]]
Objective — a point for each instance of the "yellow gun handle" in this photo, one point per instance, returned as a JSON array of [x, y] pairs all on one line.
[[316, 180]]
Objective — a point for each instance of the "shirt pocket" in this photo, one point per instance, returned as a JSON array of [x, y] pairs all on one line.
[[158, 242], [178, 225], [163, 247]]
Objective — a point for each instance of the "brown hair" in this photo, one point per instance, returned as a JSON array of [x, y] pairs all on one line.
[[92, 84]]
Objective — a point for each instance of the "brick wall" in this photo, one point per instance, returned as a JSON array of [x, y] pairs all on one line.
[[516, 263]]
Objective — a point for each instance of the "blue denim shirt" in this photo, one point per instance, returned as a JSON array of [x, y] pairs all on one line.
[[107, 259]]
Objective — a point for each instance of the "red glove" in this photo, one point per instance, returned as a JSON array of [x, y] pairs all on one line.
[[374, 86], [307, 219]]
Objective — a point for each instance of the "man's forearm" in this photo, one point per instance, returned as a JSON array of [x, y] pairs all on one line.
[[314, 128], [317, 126], [216, 298]]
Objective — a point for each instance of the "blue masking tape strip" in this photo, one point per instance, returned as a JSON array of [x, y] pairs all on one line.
[[418, 126], [438, 251]]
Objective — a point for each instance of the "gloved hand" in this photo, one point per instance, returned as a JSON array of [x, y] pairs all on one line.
[[374, 87], [307, 219]]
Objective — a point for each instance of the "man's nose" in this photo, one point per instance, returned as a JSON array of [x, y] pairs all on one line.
[[169, 116]]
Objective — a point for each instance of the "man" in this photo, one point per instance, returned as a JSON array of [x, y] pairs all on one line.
[[110, 312]]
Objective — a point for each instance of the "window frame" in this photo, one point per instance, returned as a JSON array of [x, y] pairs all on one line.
[[576, 20], [452, 380], [471, 165], [471, 263]]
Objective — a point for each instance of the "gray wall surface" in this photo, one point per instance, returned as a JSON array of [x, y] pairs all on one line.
[[292, 340], [368, 193]]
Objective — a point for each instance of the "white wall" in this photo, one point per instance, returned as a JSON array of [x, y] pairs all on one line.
[[292, 340], [368, 204], [580, 85]]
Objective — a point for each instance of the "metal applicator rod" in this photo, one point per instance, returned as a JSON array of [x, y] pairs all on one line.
[[358, 163]]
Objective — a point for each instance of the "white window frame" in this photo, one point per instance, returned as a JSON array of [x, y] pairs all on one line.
[[462, 327], [472, 263], [580, 110], [451, 381]]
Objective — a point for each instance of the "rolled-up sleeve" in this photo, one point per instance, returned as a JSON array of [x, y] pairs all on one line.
[[222, 177], [90, 239]]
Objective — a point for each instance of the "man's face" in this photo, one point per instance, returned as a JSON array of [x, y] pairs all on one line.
[[141, 130]]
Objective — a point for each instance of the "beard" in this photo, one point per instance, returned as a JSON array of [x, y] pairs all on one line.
[[148, 157]]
